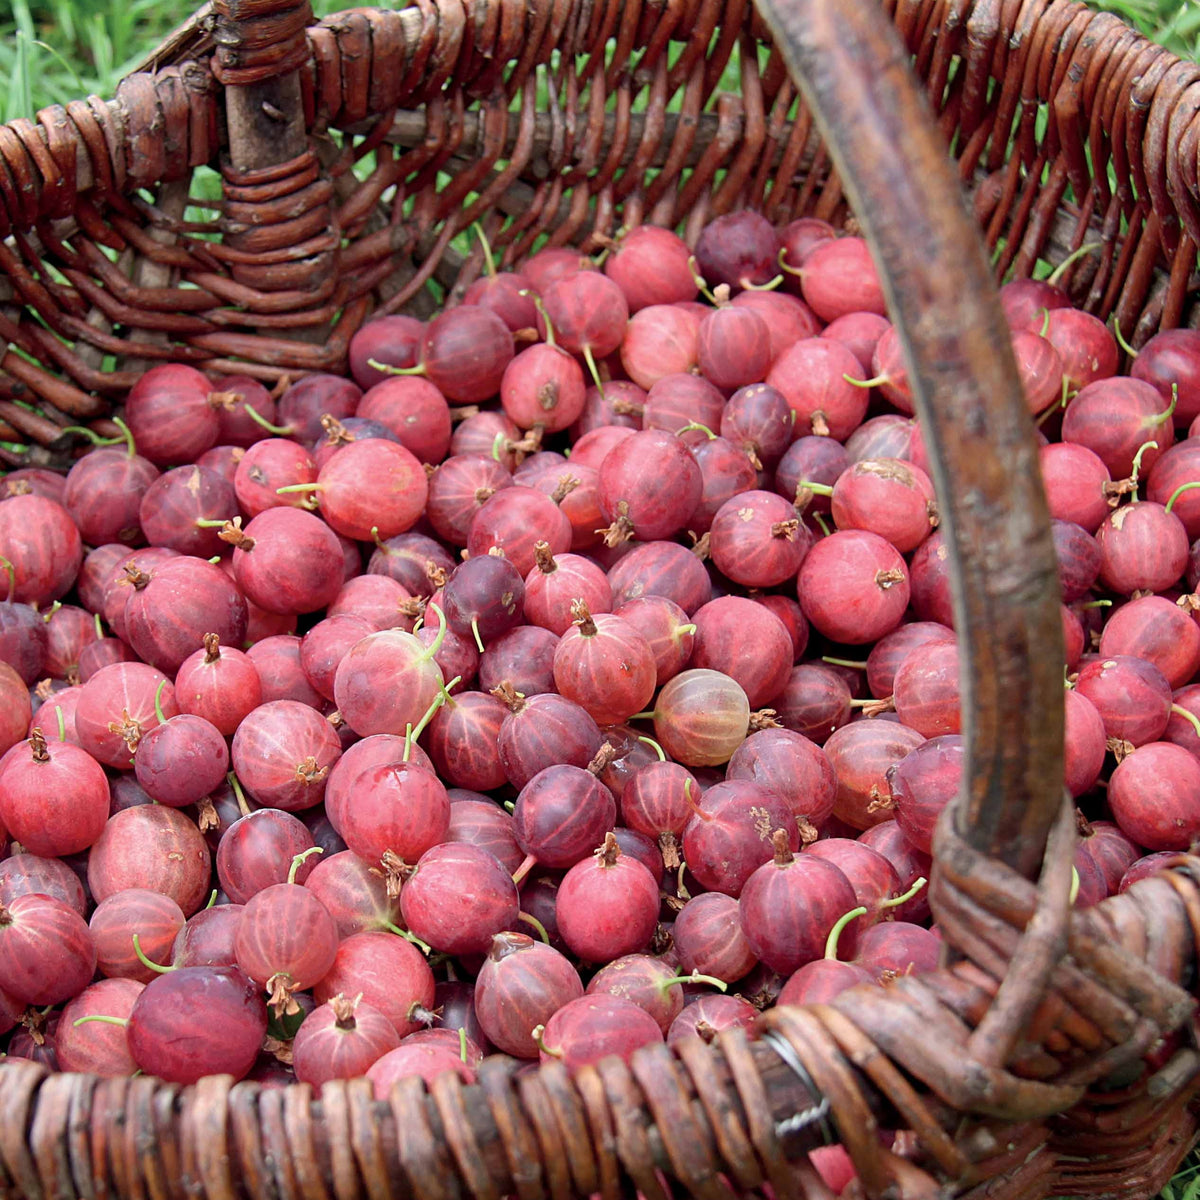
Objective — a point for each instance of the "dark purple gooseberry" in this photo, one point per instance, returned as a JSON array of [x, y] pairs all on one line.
[[258, 851], [725, 473], [729, 835], [544, 730], [302, 406], [24, 640], [890, 651], [561, 815], [339, 434], [181, 761], [810, 459], [483, 598], [414, 560], [739, 249], [758, 419], [1078, 556], [185, 509], [523, 657]]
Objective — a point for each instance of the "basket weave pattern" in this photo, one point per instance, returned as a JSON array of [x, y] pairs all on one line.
[[1016, 1069]]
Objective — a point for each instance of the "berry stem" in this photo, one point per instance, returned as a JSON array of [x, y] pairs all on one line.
[[291, 877], [537, 925], [844, 662], [424, 947], [239, 795], [488, 258], [1183, 487], [590, 359], [1073, 257], [1190, 717], [896, 901], [158, 708], [831, 942], [696, 425], [877, 381], [475, 631], [694, 977], [657, 748], [259, 419], [11, 572], [122, 1021], [527, 865], [1121, 338], [157, 968], [537, 1034]]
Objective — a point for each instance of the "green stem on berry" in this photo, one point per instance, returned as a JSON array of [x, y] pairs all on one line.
[[1074, 884], [291, 876], [91, 435], [538, 1035], [817, 489], [158, 709], [1190, 717], [853, 664], [299, 487], [11, 572], [1097, 604], [1137, 462], [462, 1044], [696, 425], [831, 942], [1045, 323], [1166, 414], [122, 1021], [1183, 487], [590, 359], [541, 309], [212, 899], [259, 419], [239, 795], [1075, 255], [876, 381], [537, 925], [388, 369], [527, 865], [488, 259], [779, 259], [157, 968], [699, 279], [657, 748], [62, 723], [1121, 338], [424, 947], [694, 977], [896, 901]]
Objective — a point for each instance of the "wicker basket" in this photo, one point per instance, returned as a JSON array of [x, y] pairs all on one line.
[[1054, 1052]]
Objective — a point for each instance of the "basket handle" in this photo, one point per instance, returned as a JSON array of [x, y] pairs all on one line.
[[854, 72]]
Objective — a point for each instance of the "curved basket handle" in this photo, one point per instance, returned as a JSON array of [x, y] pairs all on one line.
[[854, 72]]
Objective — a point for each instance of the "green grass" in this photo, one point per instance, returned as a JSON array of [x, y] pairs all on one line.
[[52, 51]]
